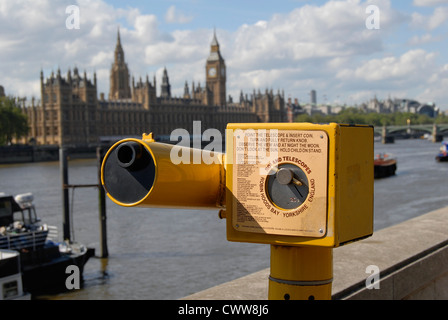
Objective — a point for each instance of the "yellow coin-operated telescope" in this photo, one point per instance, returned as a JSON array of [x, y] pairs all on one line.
[[142, 173], [302, 188]]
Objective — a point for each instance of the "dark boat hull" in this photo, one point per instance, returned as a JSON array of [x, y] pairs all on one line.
[[44, 270], [383, 171], [441, 158]]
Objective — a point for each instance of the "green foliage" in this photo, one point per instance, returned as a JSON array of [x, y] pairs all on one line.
[[359, 116], [442, 119], [13, 123]]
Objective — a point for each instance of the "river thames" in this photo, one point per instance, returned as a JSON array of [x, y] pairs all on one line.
[[168, 254]]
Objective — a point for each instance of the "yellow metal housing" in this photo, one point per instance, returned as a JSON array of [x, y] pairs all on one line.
[[349, 187]]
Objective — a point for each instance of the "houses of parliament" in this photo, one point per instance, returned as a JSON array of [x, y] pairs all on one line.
[[71, 114]]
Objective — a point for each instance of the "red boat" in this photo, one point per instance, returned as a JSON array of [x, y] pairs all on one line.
[[384, 166]]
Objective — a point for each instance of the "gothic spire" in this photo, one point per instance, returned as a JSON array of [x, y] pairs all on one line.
[[119, 76], [118, 37], [166, 87], [215, 54], [119, 52], [215, 40]]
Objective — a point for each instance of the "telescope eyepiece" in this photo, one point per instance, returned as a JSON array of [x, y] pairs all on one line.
[[128, 154], [129, 172]]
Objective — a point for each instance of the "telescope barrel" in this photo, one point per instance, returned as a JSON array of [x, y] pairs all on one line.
[[141, 173]]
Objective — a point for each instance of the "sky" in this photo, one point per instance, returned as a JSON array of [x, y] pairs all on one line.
[[346, 53]]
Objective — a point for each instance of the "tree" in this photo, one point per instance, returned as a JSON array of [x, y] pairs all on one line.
[[441, 118], [13, 123]]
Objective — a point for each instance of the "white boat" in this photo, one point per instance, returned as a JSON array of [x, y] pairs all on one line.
[[11, 284]]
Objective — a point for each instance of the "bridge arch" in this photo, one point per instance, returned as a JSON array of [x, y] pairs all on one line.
[[438, 131]]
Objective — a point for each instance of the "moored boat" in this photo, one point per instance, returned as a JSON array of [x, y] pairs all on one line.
[[43, 260], [384, 165], [443, 152], [11, 284]]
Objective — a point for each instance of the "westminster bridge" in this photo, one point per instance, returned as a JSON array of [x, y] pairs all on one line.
[[388, 133]]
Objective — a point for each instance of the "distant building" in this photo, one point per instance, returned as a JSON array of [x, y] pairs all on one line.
[[400, 105], [71, 114], [293, 109], [313, 97]]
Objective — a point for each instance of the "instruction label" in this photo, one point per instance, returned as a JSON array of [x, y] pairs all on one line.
[[257, 154]]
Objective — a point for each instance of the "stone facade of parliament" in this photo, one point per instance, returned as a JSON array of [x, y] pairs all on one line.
[[71, 114]]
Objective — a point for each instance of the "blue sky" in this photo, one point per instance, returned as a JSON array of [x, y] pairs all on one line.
[[288, 45], [229, 15]]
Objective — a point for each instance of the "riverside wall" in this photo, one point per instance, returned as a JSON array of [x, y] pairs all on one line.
[[412, 259], [26, 154]]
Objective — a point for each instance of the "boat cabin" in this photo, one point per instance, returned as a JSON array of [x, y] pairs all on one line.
[[19, 209]]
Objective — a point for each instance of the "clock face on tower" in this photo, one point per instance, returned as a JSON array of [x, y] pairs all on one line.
[[212, 72]]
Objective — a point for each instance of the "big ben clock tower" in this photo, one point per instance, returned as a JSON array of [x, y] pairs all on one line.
[[215, 69]]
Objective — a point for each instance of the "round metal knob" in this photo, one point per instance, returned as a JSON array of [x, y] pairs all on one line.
[[284, 176]]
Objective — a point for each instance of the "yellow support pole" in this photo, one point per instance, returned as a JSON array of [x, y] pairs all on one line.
[[300, 273]]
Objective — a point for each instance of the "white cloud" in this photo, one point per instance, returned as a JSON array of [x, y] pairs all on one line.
[[145, 26], [174, 16], [34, 33], [436, 88], [409, 67], [426, 38], [184, 46], [306, 47], [326, 48], [415, 74], [101, 58], [336, 29], [438, 18]]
